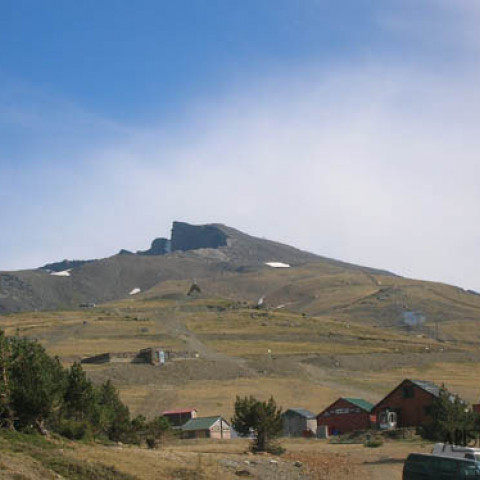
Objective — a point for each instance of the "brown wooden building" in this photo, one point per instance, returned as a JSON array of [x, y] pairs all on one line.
[[180, 417], [347, 415], [411, 401]]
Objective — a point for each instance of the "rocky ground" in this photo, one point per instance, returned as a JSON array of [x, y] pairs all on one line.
[[29, 459]]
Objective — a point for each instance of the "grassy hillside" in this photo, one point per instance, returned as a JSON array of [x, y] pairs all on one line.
[[243, 350], [26, 457], [237, 271], [300, 358]]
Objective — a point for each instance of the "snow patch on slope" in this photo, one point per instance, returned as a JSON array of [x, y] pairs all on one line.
[[135, 291], [277, 264], [64, 273]]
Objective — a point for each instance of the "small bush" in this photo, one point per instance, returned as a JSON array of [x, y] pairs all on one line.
[[152, 442], [75, 430], [78, 470], [275, 449], [374, 443]]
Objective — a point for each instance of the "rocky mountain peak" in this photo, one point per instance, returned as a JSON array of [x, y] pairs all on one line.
[[192, 237]]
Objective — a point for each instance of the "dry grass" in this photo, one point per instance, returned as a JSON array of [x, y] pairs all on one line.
[[464, 331], [231, 332], [215, 397], [261, 347], [91, 332], [461, 378], [276, 322], [166, 463], [211, 460], [326, 461], [321, 460]]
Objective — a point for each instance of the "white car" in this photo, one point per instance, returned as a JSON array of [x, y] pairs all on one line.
[[448, 450]]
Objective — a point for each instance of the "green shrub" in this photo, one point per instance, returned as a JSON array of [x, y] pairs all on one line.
[[374, 443], [37, 395], [450, 415], [75, 429]]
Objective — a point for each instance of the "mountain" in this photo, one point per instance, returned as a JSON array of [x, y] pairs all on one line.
[[226, 263]]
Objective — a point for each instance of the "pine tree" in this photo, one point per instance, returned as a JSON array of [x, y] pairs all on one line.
[[114, 416], [79, 397], [37, 383], [451, 418], [263, 419], [6, 412], [156, 429]]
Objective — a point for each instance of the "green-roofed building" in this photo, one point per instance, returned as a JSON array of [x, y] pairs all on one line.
[[360, 402], [346, 415], [207, 427]]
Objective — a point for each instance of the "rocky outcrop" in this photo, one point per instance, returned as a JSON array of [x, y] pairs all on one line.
[[160, 246], [184, 237], [65, 265], [231, 264], [187, 237], [192, 237]]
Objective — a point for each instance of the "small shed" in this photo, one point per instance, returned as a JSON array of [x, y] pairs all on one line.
[[298, 422], [153, 355], [411, 401], [180, 417], [346, 415], [207, 427]]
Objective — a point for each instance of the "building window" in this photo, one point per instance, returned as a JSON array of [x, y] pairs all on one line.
[[427, 410], [408, 391]]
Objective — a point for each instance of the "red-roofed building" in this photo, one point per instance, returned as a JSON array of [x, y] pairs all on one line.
[[180, 417], [347, 415]]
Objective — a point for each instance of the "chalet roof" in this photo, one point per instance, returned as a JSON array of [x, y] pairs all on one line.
[[361, 403], [301, 411], [429, 387], [200, 423], [180, 411], [425, 385]]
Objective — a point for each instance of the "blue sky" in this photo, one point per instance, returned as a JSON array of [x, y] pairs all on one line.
[[147, 58], [346, 128]]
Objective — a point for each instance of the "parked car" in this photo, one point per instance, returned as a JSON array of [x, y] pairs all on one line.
[[449, 450], [424, 466]]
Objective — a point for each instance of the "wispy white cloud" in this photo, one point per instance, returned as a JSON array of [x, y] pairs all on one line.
[[375, 164]]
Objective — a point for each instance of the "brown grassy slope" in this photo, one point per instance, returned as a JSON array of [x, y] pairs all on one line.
[[324, 289], [301, 360], [312, 361], [238, 270], [33, 458]]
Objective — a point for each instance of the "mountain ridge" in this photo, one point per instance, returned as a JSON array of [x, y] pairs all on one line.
[[228, 263]]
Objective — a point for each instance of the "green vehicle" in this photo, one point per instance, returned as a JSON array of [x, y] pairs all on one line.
[[420, 466]]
